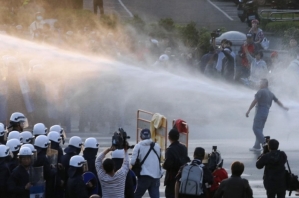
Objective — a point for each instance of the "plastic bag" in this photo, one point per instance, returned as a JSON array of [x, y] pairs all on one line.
[[265, 43]]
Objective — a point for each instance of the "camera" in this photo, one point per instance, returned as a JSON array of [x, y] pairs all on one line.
[[216, 33], [119, 139], [265, 145]]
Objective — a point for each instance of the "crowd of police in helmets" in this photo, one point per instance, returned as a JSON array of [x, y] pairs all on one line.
[[29, 159]]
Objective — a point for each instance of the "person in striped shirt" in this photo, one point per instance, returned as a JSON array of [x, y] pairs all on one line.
[[113, 183]]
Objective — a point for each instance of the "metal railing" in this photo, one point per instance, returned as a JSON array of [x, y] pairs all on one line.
[[280, 15]]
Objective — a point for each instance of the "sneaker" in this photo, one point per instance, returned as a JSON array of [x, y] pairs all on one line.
[[255, 149]]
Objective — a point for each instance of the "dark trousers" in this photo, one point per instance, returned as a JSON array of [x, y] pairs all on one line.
[[276, 194], [170, 189], [96, 4]]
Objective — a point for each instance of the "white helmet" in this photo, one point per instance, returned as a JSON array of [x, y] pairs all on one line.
[[25, 151], [91, 143], [4, 151], [14, 135], [2, 130], [39, 129], [13, 144], [41, 141], [29, 146], [57, 128], [54, 136], [27, 137], [77, 161], [19, 118], [76, 141]]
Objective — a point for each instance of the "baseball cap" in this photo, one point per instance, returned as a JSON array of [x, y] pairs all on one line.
[[145, 134]]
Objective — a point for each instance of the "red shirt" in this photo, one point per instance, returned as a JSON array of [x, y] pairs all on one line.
[[251, 49]]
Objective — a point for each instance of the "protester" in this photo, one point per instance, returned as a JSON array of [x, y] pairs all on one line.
[[205, 178], [235, 186], [258, 67], [207, 58], [293, 48], [149, 153], [36, 27], [228, 63], [262, 101], [243, 67], [98, 4], [18, 183], [112, 183], [175, 156], [258, 34], [274, 172]]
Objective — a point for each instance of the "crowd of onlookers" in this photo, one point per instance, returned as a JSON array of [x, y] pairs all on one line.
[[249, 64]]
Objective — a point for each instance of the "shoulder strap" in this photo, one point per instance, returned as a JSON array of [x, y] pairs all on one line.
[[289, 167], [151, 147], [159, 157]]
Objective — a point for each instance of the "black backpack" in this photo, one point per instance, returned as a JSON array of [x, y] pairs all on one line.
[[292, 182]]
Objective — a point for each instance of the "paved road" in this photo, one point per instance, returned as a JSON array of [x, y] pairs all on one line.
[[211, 14], [231, 150]]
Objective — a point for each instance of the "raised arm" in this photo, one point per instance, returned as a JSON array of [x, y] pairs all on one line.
[[98, 163]]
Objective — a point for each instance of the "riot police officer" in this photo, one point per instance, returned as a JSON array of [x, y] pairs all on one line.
[[39, 129], [76, 188], [17, 122], [2, 134], [27, 137], [41, 144], [4, 170], [91, 146], [18, 183], [14, 146], [74, 148]]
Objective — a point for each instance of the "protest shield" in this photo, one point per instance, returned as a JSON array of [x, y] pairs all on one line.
[[36, 178], [52, 155]]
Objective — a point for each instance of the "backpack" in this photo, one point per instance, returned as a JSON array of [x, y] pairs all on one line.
[[192, 179]]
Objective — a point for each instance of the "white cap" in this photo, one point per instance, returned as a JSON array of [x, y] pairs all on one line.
[[2, 129], [77, 161], [91, 143]]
